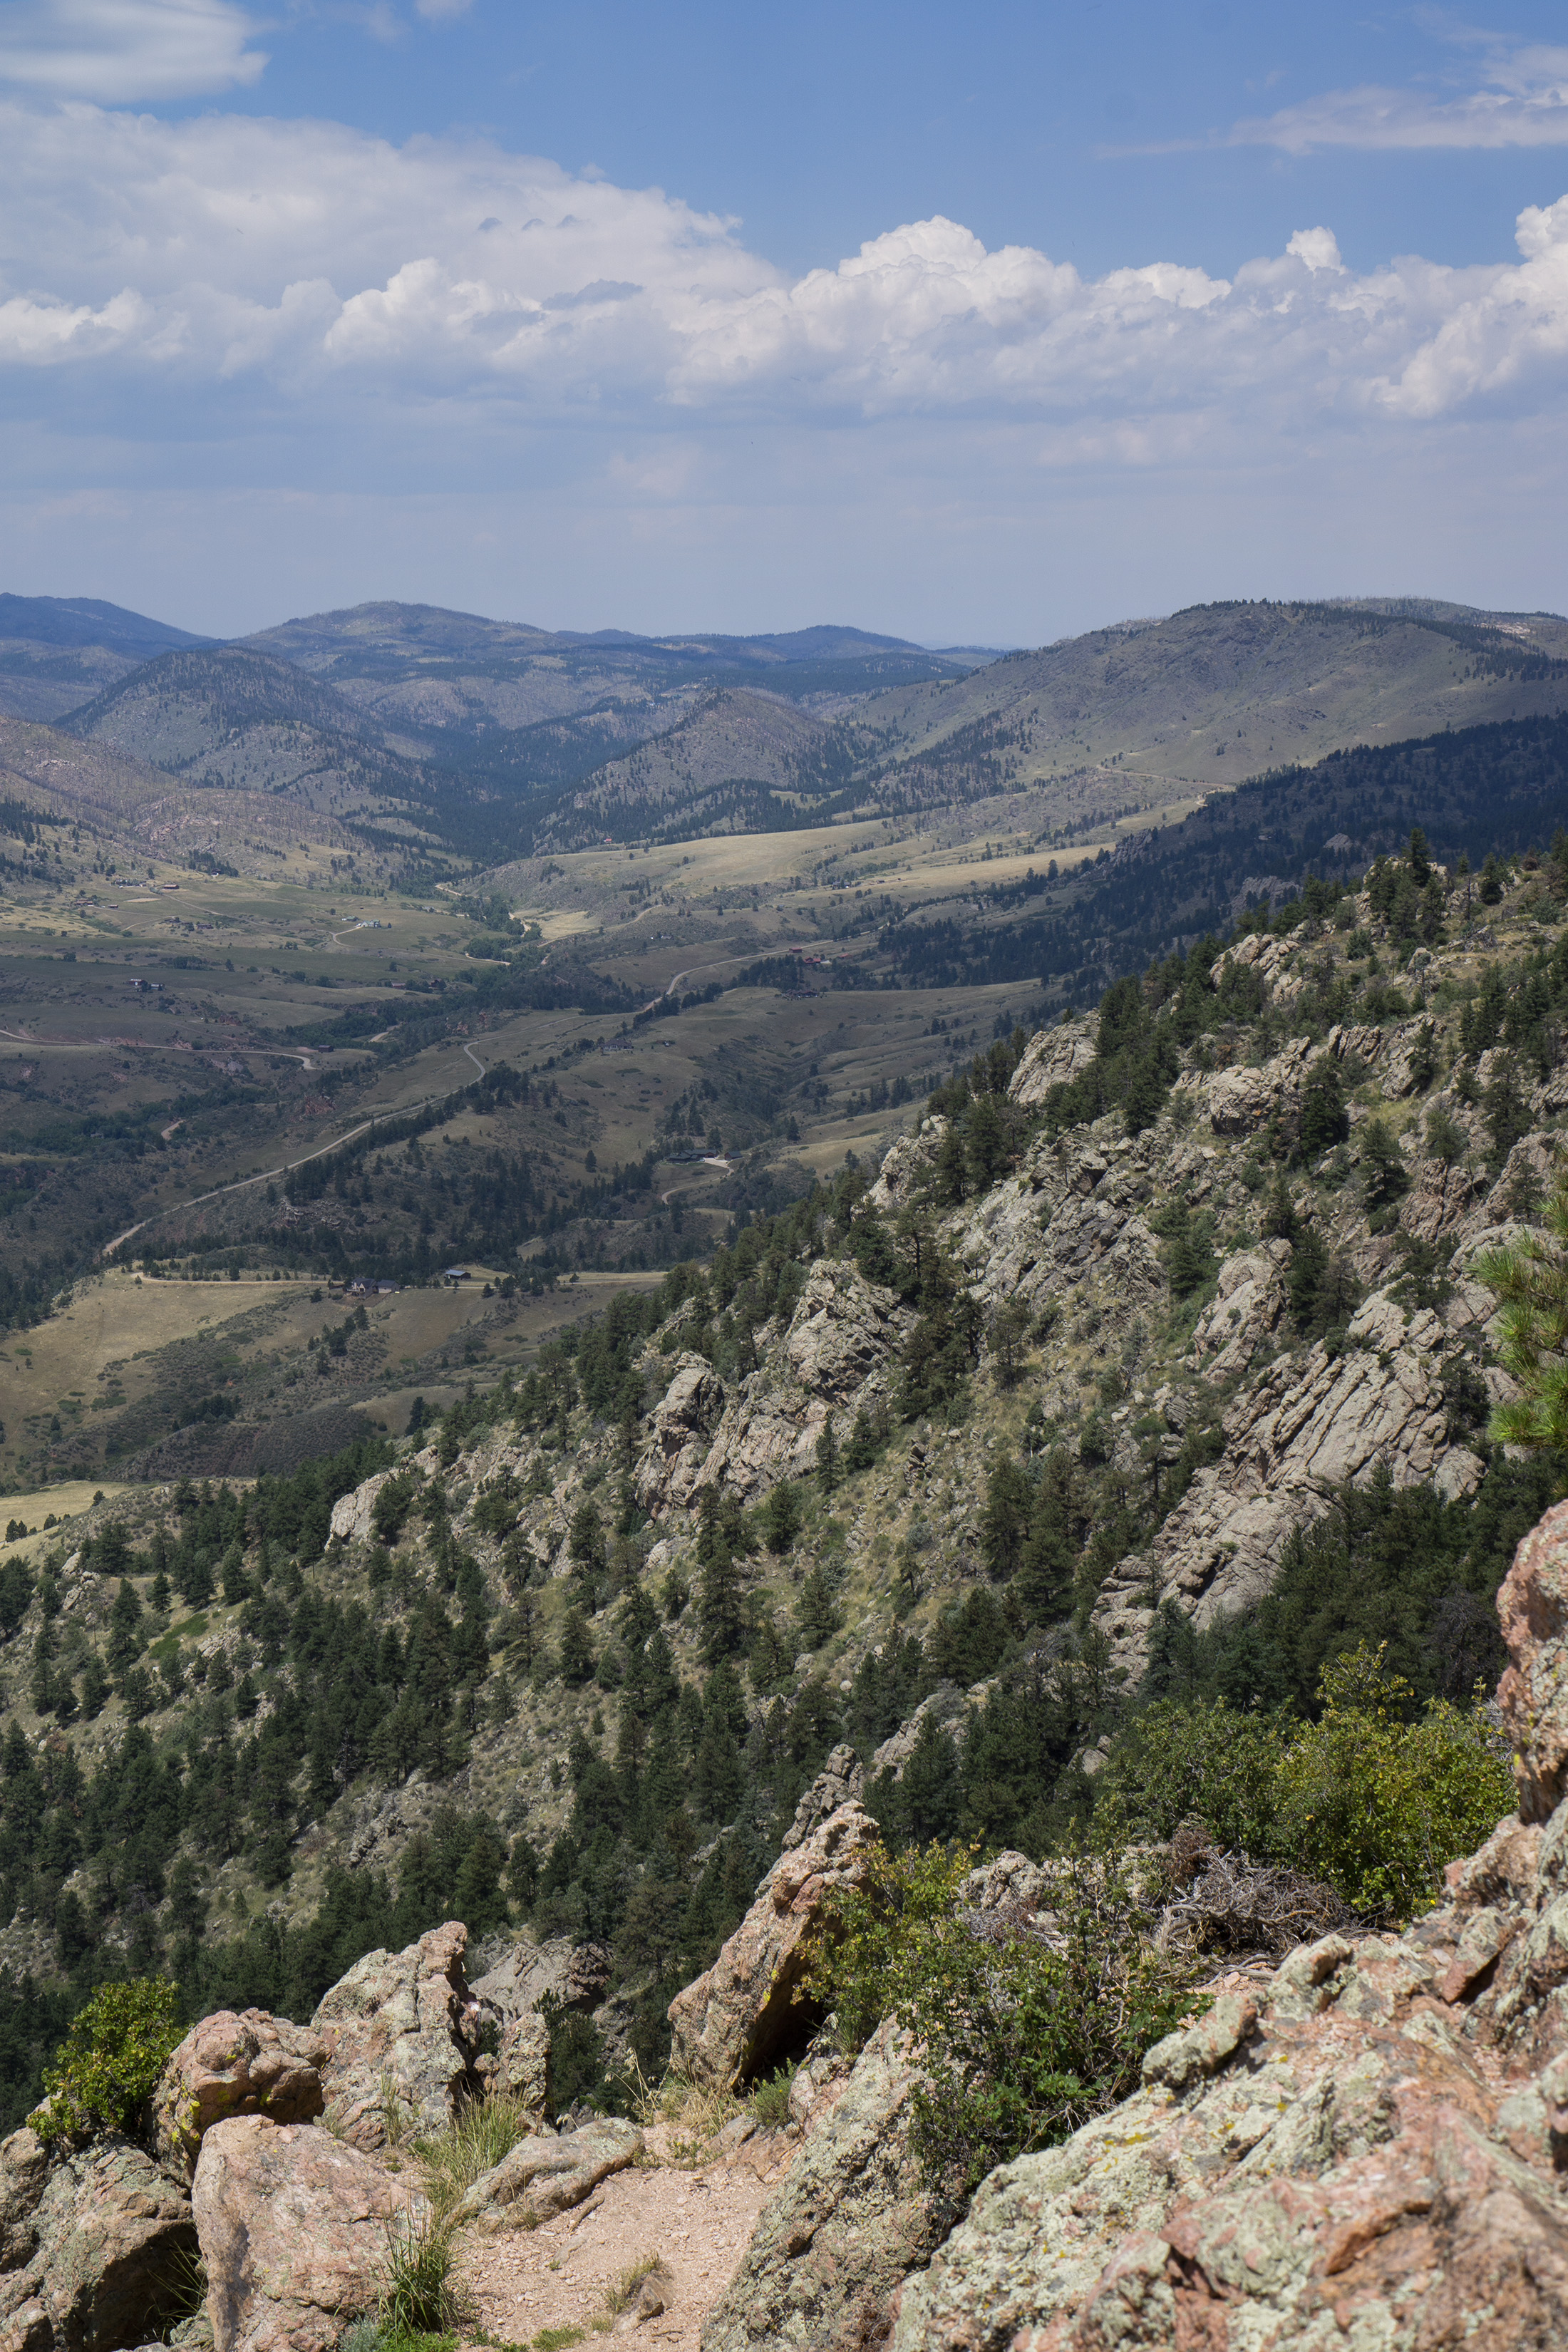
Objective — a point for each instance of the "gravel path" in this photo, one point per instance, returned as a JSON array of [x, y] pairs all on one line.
[[698, 2221]]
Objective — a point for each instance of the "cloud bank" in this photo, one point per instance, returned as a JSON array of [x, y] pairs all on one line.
[[125, 49], [309, 261], [1522, 101]]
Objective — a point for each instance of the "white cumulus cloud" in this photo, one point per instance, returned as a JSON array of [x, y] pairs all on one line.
[[319, 264], [119, 50]]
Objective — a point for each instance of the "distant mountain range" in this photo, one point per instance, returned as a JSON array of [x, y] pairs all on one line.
[[446, 736]]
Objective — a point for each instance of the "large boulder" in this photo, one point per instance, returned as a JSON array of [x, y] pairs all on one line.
[[1247, 1308], [1364, 2150], [547, 2175], [400, 2032], [294, 2230], [236, 2065], [102, 2241], [845, 2227], [748, 2011], [1051, 1058]]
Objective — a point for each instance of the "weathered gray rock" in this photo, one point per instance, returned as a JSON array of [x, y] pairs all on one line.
[[1249, 1308], [399, 2029], [294, 2228], [522, 2063], [748, 2007], [573, 1975], [543, 2177], [909, 1166], [679, 1434], [236, 2065], [1439, 1199], [351, 1514], [109, 2232], [1301, 1429], [841, 1779], [25, 2165], [835, 1355], [844, 2228], [1051, 1058], [1242, 1101], [945, 1705]]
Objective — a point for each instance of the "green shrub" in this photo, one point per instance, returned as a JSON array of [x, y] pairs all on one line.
[[103, 2076], [1021, 2040], [1180, 1762], [1377, 1805]]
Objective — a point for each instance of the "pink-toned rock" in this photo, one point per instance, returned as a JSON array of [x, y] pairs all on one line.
[[102, 2240], [293, 2228], [399, 2033], [1533, 1694], [743, 2012], [236, 2065]]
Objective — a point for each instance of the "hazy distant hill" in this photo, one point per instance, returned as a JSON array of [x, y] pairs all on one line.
[[1214, 694], [57, 651], [740, 764]]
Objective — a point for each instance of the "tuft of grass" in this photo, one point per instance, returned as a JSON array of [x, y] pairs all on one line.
[[769, 2101], [476, 2139], [419, 2295], [557, 2339], [621, 2291], [698, 2110]]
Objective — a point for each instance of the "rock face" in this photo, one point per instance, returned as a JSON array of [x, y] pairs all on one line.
[[400, 2027], [842, 1339], [680, 1430], [540, 2178], [293, 2228], [98, 2238], [1299, 1431], [228, 2065], [845, 2227], [742, 2014], [1050, 1059], [841, 1781], [576, 1975], [522, 2063], [351, 1513], [1240, 1101], [1366, 2151], [1249, 1306]]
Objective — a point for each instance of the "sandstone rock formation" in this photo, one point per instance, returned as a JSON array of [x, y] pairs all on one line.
[[573, 1975], [543, 2177], [228, 2065], [351, 1513], [522, 2063], [97, 2236], [742, 2014], [1366, 2150], [399, 2026], [293, 2227], [841, 1781], [848, 2223]]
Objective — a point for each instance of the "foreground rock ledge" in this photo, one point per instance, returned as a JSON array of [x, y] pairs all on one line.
[[1367, 2153]]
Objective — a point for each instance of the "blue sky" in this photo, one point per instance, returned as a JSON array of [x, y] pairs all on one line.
[[978, 330]]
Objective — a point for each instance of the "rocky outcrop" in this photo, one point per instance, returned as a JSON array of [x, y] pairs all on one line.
[[103, 2244], [1439, 1199], [1065, 1229], [1305, 1426], [908, 1166], [543, 2177], [523, 2064], [742, 2014], [352, 1514], [848, 2223], [679, 1434], [1249, 1306], [228, 2065], [1364, 2150], [293, 2227], [571, 1975], [841, 1781], [399, 2026], [1240, 1101], [1051, 1058], [835, 1355]]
